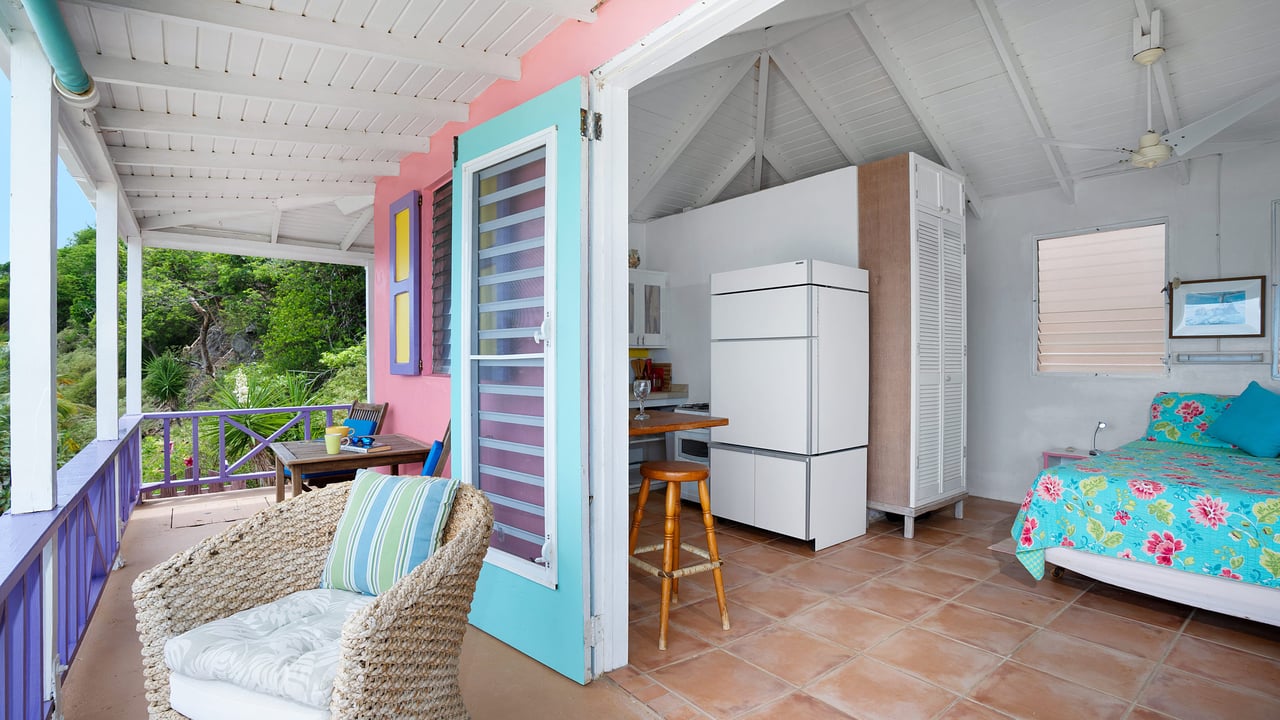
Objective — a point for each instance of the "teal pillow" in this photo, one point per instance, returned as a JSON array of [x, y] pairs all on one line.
[[1252, 422], [390, 525], [360, 428], [1186, 417]]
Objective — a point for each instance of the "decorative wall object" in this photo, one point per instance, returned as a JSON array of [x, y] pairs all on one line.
[[1225, 307]]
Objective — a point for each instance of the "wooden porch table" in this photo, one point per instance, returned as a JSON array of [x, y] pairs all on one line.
[[664, 422], [309, 456]]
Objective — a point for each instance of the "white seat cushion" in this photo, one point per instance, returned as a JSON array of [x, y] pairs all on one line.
[[217, 700], [288, 649]]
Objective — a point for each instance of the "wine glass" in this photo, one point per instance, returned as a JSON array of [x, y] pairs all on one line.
[[641, 390]]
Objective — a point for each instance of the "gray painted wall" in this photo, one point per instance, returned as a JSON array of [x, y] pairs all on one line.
[[1014, 413]]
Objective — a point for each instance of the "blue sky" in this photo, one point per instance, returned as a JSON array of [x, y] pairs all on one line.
[[74, 211]]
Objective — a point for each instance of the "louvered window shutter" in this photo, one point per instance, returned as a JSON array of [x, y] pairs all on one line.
[[441, 274], [406, 229], [1100, 308]]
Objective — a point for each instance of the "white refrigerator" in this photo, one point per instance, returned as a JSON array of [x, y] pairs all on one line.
[[789, 370]]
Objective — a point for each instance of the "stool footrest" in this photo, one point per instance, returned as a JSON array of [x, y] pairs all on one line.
[[682, 572]]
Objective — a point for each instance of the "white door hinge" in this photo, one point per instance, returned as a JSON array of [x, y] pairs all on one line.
[[595, 630]]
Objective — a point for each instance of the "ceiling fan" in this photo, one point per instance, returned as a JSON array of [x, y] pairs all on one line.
[[1189, 141]]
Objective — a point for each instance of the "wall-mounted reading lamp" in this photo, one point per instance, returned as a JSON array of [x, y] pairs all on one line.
[[1101, 425]]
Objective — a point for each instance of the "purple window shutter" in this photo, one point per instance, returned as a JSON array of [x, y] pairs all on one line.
[[406, 325]]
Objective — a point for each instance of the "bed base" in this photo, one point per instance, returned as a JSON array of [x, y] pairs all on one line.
[[1230, 597]]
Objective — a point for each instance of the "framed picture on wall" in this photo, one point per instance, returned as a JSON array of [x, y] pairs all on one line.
[[1226, 307]]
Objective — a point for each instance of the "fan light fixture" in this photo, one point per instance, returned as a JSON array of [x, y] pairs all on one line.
[[1151, 152]]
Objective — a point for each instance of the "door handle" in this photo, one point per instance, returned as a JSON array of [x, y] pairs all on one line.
[[545, 553], [543, 330]]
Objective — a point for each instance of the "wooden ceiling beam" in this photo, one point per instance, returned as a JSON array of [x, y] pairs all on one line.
[[318, 32], [880, 47], [357, 227], [762, 102], [237, 187], [149, 157], [726, 176], [253, 245], [156, 122], [580, 10]]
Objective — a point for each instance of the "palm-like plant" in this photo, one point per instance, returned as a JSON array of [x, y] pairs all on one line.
[[165, 379], [250, 389]]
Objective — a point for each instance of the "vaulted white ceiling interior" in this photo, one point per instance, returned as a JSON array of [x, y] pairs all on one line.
[[815, 85], [260, 126]]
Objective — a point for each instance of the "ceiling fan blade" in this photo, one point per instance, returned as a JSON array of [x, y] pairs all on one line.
[[1221, 148], [1108, 169], [1188, 137], [1081, 146], [353, 203]]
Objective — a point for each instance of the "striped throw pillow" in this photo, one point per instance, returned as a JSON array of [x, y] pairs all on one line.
[[389, 526]]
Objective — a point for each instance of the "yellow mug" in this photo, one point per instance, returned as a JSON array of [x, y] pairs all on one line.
[[332, 442], [339, 430]]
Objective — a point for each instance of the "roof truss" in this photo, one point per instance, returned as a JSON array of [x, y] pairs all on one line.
[[223, 127]]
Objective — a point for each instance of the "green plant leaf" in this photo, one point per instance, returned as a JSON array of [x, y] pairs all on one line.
[[1113, 539], [1271, 561], [1267, 511], [1161, 510], [1093, 485], [1236, 562], [1095, 529], [1167, 401]]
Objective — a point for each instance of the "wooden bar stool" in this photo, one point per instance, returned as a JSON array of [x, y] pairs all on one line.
[[674, 473]]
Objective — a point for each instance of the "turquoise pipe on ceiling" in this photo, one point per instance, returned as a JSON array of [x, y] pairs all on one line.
[[51, 29]]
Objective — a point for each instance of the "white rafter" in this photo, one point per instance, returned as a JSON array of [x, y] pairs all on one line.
[[879, 45], [231, 186], [762, 100], [275, 226], [155, 122], [686, 132], [773, 154], [121, 71], [317, 32], [814, 101], [358, 227], [148, 157], [583, 10], [253, 245], [177, 204], [726, 176], [1022, 87], [179, 219]]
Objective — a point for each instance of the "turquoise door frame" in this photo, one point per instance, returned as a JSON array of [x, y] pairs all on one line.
[[545, 617]]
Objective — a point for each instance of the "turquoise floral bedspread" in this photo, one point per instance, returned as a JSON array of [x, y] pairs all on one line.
[[1214, 511]]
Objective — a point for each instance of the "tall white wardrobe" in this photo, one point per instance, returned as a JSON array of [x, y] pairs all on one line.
[[911, 238]]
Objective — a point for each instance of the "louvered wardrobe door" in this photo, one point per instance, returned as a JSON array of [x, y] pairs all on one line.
[[927, 267], [953, 357]]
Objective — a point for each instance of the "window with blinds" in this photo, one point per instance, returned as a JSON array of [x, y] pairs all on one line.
[[441, 272], [1099, 305]]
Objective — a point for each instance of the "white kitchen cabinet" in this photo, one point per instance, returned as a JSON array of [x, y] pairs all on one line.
[[912, 240], [818, 497], [646, 299]]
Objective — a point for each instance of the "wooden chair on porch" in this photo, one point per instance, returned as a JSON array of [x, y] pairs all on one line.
[[359, 418]]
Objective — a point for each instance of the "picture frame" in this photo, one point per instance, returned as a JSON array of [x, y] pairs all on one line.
[[1224, 307]]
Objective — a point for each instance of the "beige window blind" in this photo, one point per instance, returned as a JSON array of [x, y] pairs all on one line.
[[1099, 307]]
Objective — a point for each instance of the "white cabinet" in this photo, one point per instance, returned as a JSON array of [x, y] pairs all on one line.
[[819, 497], [646, 291], [937, 190], [912, 240]]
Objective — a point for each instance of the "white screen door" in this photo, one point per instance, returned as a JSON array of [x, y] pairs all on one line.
[[519, 396]]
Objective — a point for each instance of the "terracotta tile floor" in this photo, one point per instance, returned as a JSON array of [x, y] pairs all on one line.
[[935, 627]]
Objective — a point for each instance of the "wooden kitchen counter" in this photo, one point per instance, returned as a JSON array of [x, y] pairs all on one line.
[[664, 422]]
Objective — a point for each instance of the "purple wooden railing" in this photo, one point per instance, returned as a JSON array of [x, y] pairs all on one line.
[[53, 566], [228, 472]]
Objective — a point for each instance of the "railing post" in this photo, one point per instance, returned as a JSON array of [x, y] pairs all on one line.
[[49, 570]]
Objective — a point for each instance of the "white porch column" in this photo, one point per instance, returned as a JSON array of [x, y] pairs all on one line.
[[108, 313], [33, 318], [133, 326], [368, 331]]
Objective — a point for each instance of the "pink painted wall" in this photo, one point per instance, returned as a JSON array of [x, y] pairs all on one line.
[[419, 405]]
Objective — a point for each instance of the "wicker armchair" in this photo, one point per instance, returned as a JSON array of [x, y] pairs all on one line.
[[399, 653]]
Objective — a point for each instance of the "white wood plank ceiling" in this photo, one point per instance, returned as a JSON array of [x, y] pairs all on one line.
[[260, 126], [813, 85]]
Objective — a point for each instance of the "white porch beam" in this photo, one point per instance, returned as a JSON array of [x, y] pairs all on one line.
[[158, 75], [726, 176], [33, 419], [178, 204], [879, 45], [368, 331], [684, 135], [1022, 87], [357, 227], [318, 32], [159, 222], [773, 154], [157, 122], [733, 47], [275, 226], [133, 325], [817, 105], [107, 316], [762, 102], [148, 157], [232, 186], [580, 10], [1172, 118], [253, 245]]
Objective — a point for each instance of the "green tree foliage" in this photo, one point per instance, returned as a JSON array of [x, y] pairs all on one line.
[[316, 309]]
